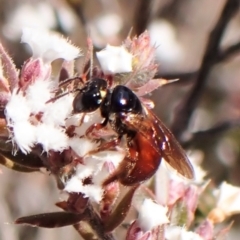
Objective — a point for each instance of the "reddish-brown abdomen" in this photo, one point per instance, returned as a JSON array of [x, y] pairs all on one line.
[[139, 165]]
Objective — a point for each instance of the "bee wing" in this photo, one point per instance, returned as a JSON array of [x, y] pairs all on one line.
[[162, 140]]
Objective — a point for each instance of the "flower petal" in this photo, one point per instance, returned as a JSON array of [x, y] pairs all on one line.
[[49, 46], [115, 60], [151, 215]]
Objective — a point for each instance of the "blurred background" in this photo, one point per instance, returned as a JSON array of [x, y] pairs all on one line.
[[197, 42]]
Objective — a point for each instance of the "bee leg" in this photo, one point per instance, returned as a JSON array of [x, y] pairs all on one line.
[[140, 163], [110, 145], [92, 131], [82, 119], [122, 173], [69, 80], [57, 97], [124, 170]]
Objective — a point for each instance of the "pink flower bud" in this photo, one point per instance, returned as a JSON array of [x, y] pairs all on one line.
[[110, 194], [32, 70], [135, 233], [205, 230]]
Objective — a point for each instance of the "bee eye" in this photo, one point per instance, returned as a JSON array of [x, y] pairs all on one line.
[[124, 100], [86, 101], [90, 97]]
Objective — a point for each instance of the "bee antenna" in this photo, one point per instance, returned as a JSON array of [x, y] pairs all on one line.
[[90, 49]]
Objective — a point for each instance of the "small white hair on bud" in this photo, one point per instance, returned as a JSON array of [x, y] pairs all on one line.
[[81, 146], [83, 171], [88, 120], [49, 45], [51, 138], [38, 94], [151, 215], [57, 112], [24, 134], [228, 199], [94, 192], [17, 109], [180, 233], [115, 60], [75, 184]]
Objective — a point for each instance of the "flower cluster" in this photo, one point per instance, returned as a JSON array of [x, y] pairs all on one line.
[[91, 154]]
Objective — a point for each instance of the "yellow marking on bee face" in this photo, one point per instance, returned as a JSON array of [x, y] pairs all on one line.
[[103, 93]]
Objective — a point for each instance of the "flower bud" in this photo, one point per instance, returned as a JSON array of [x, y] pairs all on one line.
[[115, 60], [32, 70]]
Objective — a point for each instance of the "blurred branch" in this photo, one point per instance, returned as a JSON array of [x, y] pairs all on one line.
[[77, 7], [142, 16], [212, 132], [59, 27], [96, 223], [186, 108], [229, 52], [188, 76]]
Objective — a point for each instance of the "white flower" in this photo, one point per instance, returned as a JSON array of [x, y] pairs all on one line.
[[49, 46], [227, 203], [115, 60], [56, 112], [94, 169], [229, 198], [17, 108], [27, 130], [83, 172], [51, 138], [24, 134], [29, 14], [179, 233], [162, 178], [38, 94], [196, 157], [170, 50], [151, 215], [87, 121], [81, 146], [93, 190]]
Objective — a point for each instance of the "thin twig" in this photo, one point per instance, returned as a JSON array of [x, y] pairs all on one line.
[[97, 225], [229, 52], [212, 132], [184, 77], [92, 226], [77, 7], [188, 105]]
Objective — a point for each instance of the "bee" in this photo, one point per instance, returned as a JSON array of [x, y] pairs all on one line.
[[148, 140]]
